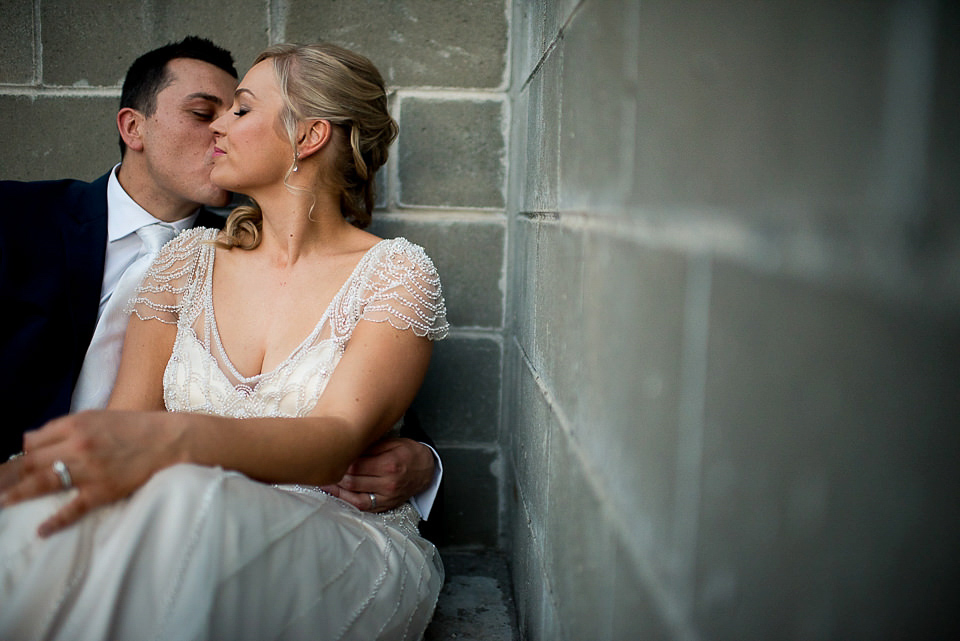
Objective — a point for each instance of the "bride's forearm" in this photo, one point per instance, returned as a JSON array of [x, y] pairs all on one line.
[[313, 450]]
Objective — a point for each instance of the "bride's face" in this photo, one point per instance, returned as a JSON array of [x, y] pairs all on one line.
[[252, 149]]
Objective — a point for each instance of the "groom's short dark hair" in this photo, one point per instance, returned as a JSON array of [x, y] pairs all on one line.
[[148, 74]]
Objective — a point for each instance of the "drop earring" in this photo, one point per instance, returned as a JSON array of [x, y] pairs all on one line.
[[296, 159]]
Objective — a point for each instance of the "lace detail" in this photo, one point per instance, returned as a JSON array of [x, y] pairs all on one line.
[[401, 287], [168, 281], [394, 282]]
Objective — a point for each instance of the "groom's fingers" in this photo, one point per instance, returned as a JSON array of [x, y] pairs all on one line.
[[363, 502]]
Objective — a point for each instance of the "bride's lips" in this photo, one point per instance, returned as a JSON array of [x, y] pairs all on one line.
[[218, 152]]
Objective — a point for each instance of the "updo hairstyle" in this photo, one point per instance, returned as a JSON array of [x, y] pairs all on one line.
[[324, 81]]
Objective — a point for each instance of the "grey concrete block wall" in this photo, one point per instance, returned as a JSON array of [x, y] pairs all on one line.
[[452, 153], [444, 186], [35, 142], [16, 43], [119, 28], [414, 43], [733, 334]]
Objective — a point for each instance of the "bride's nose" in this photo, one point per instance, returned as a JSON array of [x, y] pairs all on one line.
[[217, 126]]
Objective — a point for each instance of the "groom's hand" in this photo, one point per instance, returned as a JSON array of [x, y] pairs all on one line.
[[391, 470]]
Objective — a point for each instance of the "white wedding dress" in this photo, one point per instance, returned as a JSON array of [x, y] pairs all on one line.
[[205, 553]]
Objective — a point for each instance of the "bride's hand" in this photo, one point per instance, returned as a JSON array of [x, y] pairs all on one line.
[[10, 472], [105, 455]]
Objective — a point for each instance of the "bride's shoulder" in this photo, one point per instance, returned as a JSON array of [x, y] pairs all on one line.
[[401, 252], [184, 252], [405, 289], [191, 241]]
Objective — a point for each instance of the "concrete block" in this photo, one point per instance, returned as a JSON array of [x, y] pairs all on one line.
[[536, 612], [452, 153], [460, 398], [630, 373], [578, 546], [381, 194], [41, 151], [770, 114], [516, 170], [524, 279], [598, 94], [531, 430], [527, 579], [93, 42], [523, 58], [471, 496], [830, 482], [549, 618], [414, 43], [470, 259], [934, 238], [540, 160], [636, 612], [556, 14], [17, 43], [560, 317], [537, 25]]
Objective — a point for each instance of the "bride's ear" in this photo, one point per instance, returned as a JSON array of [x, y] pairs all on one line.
[[314, 135]]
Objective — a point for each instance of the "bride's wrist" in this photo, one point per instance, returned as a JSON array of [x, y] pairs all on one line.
[[177, 441]]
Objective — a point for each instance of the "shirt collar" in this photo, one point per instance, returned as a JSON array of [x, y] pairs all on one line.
[[125, 216]]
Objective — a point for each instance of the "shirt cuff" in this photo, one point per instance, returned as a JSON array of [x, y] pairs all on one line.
[[423, 502]]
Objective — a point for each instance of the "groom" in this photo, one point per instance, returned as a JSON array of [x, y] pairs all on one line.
[[65, 244]]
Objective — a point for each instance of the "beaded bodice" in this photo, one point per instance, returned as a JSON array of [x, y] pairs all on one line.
[[394, 282]]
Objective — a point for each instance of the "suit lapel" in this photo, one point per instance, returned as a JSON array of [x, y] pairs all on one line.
[[84, 236]]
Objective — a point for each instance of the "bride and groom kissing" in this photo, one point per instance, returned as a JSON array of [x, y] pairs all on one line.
[[251, 389]]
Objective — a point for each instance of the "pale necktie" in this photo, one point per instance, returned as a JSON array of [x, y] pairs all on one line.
[[99, 370]]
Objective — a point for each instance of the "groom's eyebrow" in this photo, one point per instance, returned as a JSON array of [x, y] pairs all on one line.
[[204, 96]]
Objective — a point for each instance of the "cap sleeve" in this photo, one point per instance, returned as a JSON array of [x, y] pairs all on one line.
[[404, 290], [167, 285]]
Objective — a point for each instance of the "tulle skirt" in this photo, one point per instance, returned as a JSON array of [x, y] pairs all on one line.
[[201, 553]]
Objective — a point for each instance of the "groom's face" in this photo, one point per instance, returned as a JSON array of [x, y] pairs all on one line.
[[178, 143]]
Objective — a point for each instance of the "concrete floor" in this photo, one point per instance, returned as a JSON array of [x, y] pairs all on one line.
[[476, 603]]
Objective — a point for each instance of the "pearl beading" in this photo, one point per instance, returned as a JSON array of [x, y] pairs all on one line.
[[394, 282]]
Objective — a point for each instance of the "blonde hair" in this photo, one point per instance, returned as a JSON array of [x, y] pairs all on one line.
[[324, 81]]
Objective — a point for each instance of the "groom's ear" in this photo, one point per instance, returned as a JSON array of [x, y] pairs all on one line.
[[314, 136], [130, 123]]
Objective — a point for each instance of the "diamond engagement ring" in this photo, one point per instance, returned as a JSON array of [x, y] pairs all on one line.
[[373, 501], [60, 469]]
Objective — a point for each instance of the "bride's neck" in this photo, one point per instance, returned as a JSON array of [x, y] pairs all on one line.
[[297, 225]]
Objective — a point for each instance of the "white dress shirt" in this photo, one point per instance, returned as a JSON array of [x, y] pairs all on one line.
[[124, 218]]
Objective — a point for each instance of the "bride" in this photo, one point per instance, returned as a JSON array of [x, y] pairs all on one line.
[[280, 348]]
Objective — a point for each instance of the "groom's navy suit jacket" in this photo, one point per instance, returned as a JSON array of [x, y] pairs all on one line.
[[53, 241]]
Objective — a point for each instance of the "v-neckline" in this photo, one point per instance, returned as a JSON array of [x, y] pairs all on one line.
[[215, 329]]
